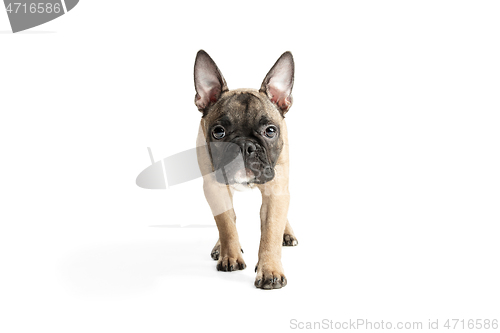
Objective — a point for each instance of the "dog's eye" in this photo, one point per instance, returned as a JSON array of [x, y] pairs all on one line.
[[219, 132], [271, 131]]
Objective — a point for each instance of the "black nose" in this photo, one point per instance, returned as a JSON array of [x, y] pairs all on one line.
[[249, 148]]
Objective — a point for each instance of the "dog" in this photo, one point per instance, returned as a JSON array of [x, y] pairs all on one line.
[[243, 143]]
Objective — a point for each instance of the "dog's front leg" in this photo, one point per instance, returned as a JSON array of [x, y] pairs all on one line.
[[273, 215], [220, 199]]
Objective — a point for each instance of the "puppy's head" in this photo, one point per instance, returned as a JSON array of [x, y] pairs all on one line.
[[243, 126]]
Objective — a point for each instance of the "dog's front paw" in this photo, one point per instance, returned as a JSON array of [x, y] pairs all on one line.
[[216, 251], [269, 277], [290, 240], [229, 264]]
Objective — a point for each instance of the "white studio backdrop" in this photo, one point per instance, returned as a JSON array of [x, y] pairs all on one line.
[[394, 150]]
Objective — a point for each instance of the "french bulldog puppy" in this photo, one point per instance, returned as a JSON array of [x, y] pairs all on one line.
[[243, 143]]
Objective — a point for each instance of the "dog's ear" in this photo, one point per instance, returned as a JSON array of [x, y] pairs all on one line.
[[278, 83], [208, 81]]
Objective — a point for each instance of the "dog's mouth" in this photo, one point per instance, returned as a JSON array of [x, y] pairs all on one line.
[[244, 176], [239, 172]]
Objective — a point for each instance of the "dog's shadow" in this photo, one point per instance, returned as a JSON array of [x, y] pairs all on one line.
[[139, 266]]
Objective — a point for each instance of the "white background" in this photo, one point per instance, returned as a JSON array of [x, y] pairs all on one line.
[[394, 148]]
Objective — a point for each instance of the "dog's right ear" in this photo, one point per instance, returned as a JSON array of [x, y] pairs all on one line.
[[208, 81], [278, 83]]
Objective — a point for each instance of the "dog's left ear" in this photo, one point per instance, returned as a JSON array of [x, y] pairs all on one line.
[[208, 81], [278, 83]]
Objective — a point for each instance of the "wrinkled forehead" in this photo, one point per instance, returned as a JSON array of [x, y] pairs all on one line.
[[245, 109]]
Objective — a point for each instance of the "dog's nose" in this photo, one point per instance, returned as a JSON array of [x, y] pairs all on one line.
[[249, 148]]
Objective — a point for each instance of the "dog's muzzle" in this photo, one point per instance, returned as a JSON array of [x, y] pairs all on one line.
[[241, 162]]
